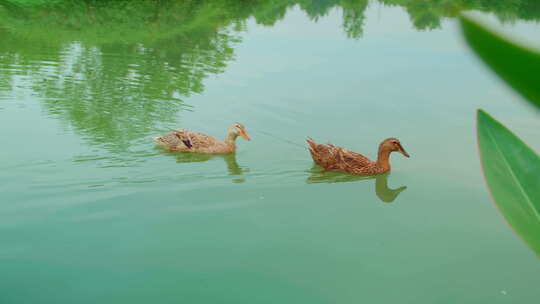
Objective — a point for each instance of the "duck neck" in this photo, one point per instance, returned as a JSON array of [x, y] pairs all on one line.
[[231, 139], [383, 159]]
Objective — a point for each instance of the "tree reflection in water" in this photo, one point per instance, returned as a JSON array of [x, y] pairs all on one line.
[[117, 70]]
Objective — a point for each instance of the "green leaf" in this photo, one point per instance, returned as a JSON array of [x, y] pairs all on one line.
[[518, 66], [512, 172]]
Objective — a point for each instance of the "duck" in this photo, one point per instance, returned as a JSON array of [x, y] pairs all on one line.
[[184, 140], [334, 158]]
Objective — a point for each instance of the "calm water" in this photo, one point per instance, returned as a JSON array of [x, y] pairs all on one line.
[[92, 212]]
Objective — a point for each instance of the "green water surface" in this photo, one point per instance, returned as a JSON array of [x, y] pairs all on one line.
[[91, 211]]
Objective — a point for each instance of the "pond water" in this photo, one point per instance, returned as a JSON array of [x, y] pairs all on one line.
[[91, 211]]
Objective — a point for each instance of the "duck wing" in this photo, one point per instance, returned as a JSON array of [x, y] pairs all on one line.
[[195, 142], [333, 158], [354, 163]]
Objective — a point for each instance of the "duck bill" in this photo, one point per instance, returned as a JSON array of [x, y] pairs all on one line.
[[244, 136], [402, 151]]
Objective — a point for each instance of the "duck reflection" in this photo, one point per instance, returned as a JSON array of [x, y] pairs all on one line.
[[383, 192], [230, 161]]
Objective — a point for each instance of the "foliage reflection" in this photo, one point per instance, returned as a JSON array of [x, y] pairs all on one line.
[[117, 70]]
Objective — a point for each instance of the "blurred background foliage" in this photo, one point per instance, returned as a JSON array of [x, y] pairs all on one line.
[[511, 168]]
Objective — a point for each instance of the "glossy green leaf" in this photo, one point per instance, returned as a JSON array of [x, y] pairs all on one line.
[[512, 172], [518, 66]]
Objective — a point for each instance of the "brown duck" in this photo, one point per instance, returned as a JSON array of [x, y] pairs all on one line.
[[333, 158], [187, 141]]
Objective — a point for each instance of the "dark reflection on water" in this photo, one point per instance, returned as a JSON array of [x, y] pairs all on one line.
[[230, 160], [383, 192], [386, 194]]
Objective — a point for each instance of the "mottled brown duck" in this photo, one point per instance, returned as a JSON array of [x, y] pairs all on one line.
[[333, 158], [187, 141]]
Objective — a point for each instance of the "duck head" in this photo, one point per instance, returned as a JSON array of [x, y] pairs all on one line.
[[392, 145], [237, 129]]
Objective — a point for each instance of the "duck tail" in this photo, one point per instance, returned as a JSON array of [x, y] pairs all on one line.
[[313, 150], [311, 143], [159, 140]]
